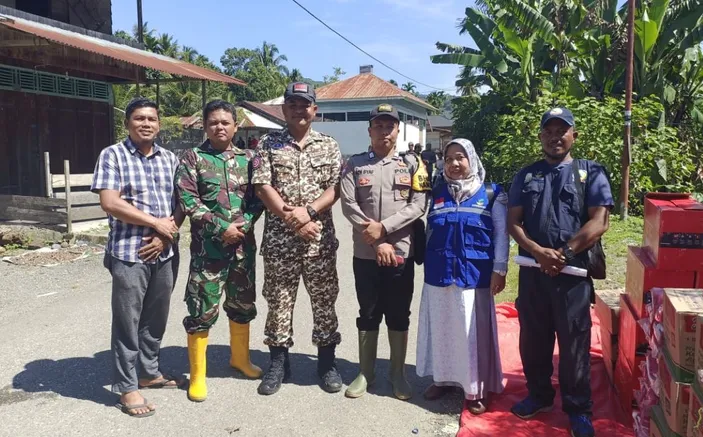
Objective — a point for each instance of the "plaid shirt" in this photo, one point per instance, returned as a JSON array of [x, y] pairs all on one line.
[[146, 182]]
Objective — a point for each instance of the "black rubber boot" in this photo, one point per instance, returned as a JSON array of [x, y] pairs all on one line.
[[273, 378], [327, 369]]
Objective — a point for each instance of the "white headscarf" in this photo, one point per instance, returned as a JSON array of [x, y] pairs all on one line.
[[463, 189]]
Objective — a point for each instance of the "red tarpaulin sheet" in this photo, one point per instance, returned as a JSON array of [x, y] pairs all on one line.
[[608, 417]]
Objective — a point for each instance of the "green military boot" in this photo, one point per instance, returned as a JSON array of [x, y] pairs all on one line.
[[368, 343], [399, 347]]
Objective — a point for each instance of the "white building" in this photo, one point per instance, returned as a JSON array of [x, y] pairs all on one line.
[[344, 109]]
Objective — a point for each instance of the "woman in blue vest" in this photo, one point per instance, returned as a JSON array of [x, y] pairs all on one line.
[[465, 266]]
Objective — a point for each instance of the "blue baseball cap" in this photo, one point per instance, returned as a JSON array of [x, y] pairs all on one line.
[[562, 114]]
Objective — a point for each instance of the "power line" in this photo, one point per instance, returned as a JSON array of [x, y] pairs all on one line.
[[365, 52]]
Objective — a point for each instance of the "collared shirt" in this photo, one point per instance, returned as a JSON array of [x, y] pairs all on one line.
[[145, 182], [300, 175], [214, 190], [380, 189], [548, 195]]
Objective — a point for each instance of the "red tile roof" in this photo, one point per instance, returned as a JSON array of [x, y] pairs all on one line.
[[272, 112], [114, 50], [366, 86]]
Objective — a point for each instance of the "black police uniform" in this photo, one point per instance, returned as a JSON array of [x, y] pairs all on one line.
[[552, 214]]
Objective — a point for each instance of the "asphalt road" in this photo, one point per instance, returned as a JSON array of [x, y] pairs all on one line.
[[55, 367]]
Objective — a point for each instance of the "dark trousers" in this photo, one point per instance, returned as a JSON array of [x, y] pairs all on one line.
[[141, 296], [383, 291], [556, 307]]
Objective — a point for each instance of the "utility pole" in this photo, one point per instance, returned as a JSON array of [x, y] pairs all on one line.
[[627, 138], [140, 31]]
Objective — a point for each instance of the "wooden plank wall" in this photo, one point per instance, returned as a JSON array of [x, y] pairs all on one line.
[[36, 209], [31, 124]]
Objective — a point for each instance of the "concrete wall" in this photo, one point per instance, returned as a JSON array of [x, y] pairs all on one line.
[[353, 136]]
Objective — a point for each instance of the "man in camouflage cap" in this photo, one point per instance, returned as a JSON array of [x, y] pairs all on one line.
[[215, 192], [296, 173]]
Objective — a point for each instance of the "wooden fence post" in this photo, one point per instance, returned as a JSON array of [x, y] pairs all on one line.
[[67, 175], [47, 175]]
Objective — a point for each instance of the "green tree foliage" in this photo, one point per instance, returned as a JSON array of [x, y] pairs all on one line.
[[534, 54], [438, 99], [661, 162]]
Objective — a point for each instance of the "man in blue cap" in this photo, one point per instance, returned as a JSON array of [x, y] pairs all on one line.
[[558, 210]]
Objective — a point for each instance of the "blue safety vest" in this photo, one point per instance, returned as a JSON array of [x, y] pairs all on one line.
[[460, 239]]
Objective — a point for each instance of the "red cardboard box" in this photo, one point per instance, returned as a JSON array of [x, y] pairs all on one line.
[[643, 275], [626, 380], [673, 230], [681, 310], [625, 383], [674, 397], [608, 309], [609, 346], [631, 337]]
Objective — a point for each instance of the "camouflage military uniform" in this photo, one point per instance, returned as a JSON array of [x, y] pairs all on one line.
[[300, 176], [214, 191]]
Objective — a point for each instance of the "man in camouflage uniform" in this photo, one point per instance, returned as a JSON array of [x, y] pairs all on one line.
[[215, 192], [382, 196], [296, 173]]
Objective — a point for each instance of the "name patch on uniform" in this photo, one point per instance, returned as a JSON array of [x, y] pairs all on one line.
[[362, 171], [439, 202], [364, 181]]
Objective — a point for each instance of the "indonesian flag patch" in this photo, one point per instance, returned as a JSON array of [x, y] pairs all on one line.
[[439, 202], [300, 88]]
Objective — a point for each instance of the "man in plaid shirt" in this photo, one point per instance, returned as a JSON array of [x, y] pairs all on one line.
[[135, 180]]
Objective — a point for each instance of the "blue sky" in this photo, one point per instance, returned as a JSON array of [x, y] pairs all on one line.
[[402, 33]]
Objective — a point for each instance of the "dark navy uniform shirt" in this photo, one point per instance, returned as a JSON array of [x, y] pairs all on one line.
[[552, 213]]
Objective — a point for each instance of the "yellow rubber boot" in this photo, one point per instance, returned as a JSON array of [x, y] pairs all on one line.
[[239, 343], [197, 348]]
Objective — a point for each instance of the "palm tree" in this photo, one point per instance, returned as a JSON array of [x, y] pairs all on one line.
[[269, 56], [409, 87], [295, 76]]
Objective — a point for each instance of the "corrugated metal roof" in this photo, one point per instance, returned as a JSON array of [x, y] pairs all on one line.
[[272, 112], [366, 86], [257, 121], [114, 50]]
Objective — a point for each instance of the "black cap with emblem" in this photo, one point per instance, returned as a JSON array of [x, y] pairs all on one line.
[[385, 110], [300, 89]]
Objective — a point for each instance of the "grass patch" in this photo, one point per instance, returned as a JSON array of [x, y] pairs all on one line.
[[615, 241]]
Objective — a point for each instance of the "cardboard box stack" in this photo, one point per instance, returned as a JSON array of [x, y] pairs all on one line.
[[695, 407], [651, 363], [608, 312]]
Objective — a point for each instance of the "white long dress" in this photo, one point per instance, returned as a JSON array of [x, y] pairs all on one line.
[[457, 341]]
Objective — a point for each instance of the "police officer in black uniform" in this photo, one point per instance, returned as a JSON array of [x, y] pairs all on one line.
[[556, 213]]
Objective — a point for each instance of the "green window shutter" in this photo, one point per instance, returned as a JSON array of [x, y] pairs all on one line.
[[40, 82]]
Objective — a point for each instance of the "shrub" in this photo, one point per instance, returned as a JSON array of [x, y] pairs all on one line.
[[660, 162]]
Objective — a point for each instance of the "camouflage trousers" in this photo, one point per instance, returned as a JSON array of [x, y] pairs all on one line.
[[281, 279], [208, 279]]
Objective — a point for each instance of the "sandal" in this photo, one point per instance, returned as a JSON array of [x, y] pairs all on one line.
[[166, 382], [127, 409], [476, 407]]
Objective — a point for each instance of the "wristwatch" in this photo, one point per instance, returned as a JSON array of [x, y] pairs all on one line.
[[568, 253], [311, 212]]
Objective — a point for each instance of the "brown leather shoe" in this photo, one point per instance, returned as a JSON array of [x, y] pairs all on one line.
[[476, 407], [435, 392]]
